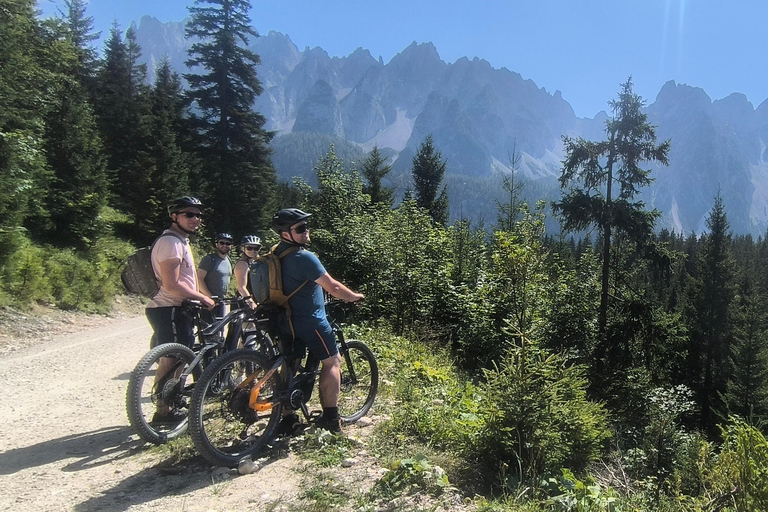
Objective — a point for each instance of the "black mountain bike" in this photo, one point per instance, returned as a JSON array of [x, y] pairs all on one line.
[[183, 367], [230, 425]]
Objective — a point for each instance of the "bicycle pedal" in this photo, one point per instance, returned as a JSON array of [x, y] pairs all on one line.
[[314, 416]]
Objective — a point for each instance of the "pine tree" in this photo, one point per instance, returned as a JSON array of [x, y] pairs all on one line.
[[120, 105], [598, 167], [508, 212], [374, 171], [167, 165], [709, 315], [79, 188], [24, 85], [237, 176], [81, 35], [428, 171], [747, 390]]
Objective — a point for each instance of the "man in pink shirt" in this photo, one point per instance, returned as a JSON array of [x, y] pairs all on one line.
[[174, 268]]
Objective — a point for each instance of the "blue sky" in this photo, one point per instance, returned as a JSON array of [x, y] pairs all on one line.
[[584, 48]]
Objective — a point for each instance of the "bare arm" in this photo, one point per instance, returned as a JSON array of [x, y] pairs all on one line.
[[169, 275], [201, 282], [241, 279], [337, 289]]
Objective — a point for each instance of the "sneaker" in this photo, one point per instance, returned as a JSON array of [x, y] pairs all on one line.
[[171, 417], [330, 424], [289, 426]]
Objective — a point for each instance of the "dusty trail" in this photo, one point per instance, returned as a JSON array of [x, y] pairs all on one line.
[[67, 445]]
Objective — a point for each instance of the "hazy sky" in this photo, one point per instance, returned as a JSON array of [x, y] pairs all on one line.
[[584, 48]]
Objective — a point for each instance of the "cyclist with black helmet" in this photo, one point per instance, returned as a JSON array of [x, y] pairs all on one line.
[[215, 271], [303, 273], [249, 251], [174, 268]]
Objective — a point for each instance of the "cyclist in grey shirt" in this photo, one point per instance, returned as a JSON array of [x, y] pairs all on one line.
[[215, 270]]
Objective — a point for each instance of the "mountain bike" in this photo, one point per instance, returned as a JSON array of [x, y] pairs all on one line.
[[229, 425], [147, 390]]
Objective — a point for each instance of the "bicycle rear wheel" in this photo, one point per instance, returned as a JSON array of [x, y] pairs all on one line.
[[149, 390], [359, 381], [224, 426]]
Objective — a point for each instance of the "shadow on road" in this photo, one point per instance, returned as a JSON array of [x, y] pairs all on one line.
[[158, 482], [90, 449]]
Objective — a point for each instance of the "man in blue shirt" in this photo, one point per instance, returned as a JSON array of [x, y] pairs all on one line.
[[302, 271]]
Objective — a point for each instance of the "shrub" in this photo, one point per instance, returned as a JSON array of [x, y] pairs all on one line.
[[537, 418]]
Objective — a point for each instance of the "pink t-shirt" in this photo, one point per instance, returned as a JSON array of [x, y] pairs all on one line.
[[166, 248]]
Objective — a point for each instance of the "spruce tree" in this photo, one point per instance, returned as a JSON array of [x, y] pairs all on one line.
[[24, 86], [81, 35], [709, 315], [237, 176], [166, 163], [428, 172], [592, 170], [79, 187], [121, 104], [374, 171], [747, 389]]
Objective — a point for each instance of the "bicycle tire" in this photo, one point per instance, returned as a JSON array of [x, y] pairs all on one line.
[[223, 427], [358, 393], [145, 391]]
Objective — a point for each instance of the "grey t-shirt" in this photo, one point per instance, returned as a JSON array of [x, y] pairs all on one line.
[[218, 273]]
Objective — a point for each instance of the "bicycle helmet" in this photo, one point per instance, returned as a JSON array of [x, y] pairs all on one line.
[[223, 236], [250, 240], [180, 203], [284, 219]]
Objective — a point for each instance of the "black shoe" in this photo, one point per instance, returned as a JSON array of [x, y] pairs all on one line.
[[330, 424], [289, 426], [170, 418]]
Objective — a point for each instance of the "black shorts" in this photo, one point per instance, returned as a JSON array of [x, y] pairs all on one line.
[[172, 324]]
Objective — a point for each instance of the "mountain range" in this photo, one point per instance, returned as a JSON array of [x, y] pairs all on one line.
[[481, 119]]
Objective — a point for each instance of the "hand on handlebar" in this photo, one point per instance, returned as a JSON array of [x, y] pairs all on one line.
[[208, 303]]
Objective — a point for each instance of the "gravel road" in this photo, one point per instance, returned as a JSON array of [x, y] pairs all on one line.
[[67, 445]]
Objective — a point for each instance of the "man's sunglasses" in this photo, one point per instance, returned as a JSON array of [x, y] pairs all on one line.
[[300, 229], [252, 247], [191, 215], [228, 244]]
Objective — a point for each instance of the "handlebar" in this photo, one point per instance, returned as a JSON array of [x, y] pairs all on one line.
[[196, 304]]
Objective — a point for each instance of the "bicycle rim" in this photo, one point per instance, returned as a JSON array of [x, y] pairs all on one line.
[[359, 381], [223, 426], [150, 390]]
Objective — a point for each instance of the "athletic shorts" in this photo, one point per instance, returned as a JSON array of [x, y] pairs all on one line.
[[318, 337], [171, 324]]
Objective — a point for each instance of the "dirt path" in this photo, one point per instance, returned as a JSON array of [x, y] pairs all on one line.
[[65, 442]]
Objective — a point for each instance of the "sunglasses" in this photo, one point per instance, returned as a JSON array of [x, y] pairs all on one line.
[[300, 229], [228, 244], [191, 215], [252, 247]]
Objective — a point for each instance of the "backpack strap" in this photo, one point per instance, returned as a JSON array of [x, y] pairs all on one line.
[[287, 305], [280, 256]]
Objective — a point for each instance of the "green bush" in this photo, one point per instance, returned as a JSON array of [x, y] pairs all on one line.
[[537, 418], [65, 278], [737, 476]]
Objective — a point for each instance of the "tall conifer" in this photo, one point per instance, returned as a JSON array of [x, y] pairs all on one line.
[[237, 176]]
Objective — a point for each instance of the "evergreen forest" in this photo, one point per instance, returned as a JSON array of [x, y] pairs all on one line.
[[608, 366]]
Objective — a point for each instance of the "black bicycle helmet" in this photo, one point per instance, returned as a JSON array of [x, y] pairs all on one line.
[[224, 236], [180, 203], [284, 219], [250, 240]]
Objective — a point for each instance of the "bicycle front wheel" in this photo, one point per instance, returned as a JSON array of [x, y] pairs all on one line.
[[359, 381], [157, 400], [237, 421]]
